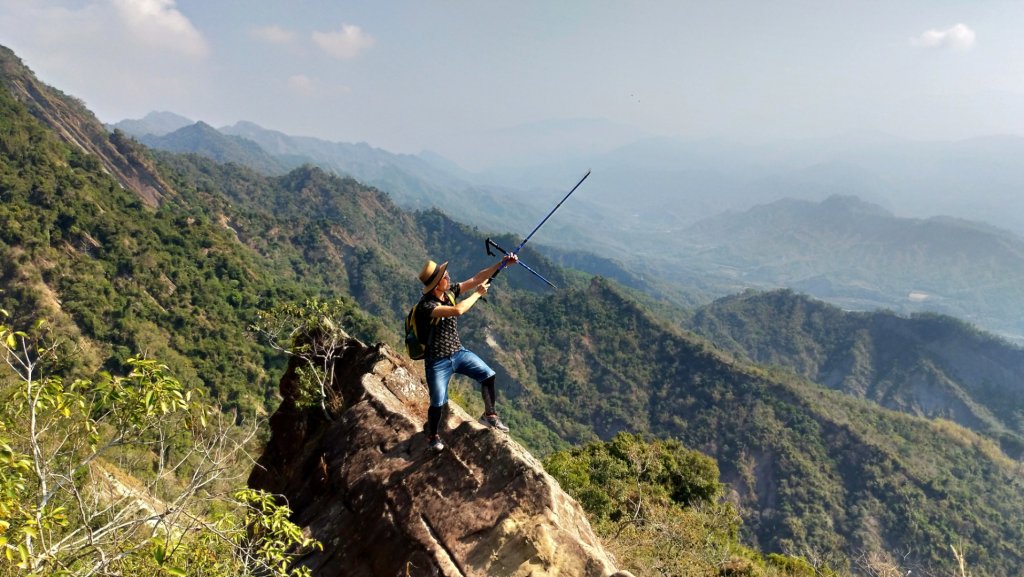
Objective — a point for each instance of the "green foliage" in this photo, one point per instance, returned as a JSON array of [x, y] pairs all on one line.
[[67, 505], [915, 365], [609, 476], [810, 470], [814, 472], [313, 334], [270, 538], [795, 566], [656, 504]]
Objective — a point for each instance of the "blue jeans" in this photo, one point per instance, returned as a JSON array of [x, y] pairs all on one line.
[[440, 371]]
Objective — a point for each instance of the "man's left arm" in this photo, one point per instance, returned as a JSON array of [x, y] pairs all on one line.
[[484, 275]]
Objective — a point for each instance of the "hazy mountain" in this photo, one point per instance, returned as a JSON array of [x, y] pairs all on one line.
[[860, 256], [810, 468], [154, 123], [408, 178], [413, 181], [205, 140], [640, 208], [975, 179]]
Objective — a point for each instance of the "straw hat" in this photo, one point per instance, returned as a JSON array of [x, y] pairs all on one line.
[[432, 274]]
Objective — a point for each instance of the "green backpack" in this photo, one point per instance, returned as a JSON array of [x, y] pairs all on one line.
[[414, 345]]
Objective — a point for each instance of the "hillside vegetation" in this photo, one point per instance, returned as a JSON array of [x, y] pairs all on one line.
[[813, 471], [835, 247], [929, 365]]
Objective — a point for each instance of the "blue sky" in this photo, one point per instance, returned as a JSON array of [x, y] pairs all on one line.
[[441, 75]]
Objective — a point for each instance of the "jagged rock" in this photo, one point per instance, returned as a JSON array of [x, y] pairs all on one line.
[[364, 484]]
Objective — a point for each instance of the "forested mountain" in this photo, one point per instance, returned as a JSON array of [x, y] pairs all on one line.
[[928, 365], [182, 281], [181, 275], [412, 181], [814, 469], [840, 248], [205, 140], [415, 181], [421, 181]]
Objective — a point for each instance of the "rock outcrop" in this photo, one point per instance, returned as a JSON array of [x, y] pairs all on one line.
[[360, 479]]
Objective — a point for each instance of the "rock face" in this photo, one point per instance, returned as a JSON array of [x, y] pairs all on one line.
[[364, 484], [71, 121]]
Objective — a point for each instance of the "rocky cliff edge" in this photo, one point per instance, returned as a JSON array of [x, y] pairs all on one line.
[[361, 480]]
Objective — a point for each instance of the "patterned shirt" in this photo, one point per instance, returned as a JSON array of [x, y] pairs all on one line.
[[443, 333]]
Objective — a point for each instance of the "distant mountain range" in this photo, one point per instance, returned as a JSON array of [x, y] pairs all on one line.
[[708, 216], [828, 469], [414, 181], [153, 124], [202, 139], [861, 257]]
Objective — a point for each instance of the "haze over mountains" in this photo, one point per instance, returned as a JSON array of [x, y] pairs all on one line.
[[873, 434], [711, 213]]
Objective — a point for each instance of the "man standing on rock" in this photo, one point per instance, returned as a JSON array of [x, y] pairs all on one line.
[[438, 312]]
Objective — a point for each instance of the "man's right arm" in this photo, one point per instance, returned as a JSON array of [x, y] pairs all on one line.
[[463, 306]]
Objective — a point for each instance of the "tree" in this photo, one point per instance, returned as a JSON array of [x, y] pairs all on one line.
[[121, 475], [312, 334]]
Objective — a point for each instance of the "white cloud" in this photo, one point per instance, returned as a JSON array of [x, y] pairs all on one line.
[[159, 23], [273, 34], [344, 44], [959, 37]]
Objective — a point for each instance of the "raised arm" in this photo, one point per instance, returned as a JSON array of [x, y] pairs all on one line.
[[478, 285], [485, 275], [460, 308]]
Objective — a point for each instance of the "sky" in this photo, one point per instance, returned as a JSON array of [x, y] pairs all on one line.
[[442, 75]]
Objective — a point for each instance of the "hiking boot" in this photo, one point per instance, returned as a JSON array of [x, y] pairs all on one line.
[[492, 420], [435, 444]]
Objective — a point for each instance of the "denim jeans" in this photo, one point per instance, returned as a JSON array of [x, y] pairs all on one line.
[[440, 371]]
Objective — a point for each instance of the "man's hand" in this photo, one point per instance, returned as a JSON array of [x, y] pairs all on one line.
[[482, 289], [509, 260]]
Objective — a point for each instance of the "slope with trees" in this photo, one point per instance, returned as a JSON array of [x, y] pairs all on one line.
[[928, 365], [812, 470], [816, 472]]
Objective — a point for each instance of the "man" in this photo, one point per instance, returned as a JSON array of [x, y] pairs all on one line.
[[438, 314]]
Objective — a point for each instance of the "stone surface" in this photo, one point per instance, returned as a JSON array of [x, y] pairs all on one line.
[[364, 484]]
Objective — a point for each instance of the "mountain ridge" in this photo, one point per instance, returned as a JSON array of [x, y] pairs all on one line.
[[68, 118], [811, 468], [905, 364], [155, 123], [205, 140], [805, 464], [858, 255]]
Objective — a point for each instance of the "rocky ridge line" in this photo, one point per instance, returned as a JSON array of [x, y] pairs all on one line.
[[363, 482]]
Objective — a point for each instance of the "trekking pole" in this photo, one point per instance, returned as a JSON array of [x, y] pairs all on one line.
[[489, 243], [529, 236]]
